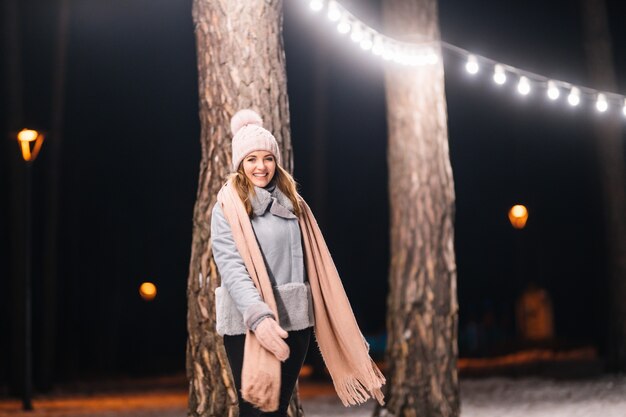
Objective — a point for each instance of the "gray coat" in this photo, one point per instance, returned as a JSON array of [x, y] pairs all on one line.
[[238, 303]]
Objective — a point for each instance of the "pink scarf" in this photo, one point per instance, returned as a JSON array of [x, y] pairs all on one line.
[[354, 373]]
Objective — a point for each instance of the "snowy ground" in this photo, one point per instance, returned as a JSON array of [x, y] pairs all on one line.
[[501, 397], [492, 397]]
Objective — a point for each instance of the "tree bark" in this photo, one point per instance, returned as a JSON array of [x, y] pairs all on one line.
[[422, 306], [608, 132], [241, 64]]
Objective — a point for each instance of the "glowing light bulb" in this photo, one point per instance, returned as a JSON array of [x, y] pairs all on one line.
[[472, 64], [27, 135], [388, 54], [574, 97], [378, 48], [601, 103], [343, 27], [518, 216], [334, 14], [366, 44], [148, 291], [499, 76], [316, 5], [553, 91], [357, 34], [624, 108], [523, 87]]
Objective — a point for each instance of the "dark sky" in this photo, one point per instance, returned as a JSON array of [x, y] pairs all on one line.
[[131, 153]]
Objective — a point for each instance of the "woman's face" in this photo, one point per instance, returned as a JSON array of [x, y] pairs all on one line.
[[259, 167]]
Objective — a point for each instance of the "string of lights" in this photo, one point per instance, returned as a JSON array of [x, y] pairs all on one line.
[[422, 52]]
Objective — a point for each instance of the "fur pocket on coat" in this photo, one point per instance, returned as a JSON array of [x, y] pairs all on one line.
[[229, 321]]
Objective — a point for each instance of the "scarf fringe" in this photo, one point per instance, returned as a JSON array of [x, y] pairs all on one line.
[[357, 389]]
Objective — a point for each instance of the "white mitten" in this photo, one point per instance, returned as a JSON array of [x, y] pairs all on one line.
[[270, 335]]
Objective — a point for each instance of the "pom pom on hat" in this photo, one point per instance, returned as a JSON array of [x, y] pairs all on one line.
[[244, 117], [249, 135]]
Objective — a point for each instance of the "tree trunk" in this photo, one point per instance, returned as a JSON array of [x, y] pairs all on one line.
[[422, 306], [241, 64], [608, 134]]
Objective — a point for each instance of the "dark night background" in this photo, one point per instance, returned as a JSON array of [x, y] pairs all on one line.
[[130, 158]]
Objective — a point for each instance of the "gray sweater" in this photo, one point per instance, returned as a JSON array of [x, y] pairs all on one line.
[[238, 303]]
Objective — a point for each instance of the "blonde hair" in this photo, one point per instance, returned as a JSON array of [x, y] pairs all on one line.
[[284, 182]]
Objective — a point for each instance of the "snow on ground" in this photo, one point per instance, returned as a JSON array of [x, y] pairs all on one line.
[[603, 397], [503, 397], [490, 397]]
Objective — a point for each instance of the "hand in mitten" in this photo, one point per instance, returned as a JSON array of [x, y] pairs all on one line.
[[270, 335]]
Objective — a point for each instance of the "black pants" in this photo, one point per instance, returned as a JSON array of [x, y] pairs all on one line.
[[298, 342]]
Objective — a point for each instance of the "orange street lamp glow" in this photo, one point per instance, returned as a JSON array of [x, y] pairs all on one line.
[[518, 215], [27, 136], [148, 291]]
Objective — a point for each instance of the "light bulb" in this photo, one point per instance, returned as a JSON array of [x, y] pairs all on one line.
[[553, 91], [523, 87], [366, 44], [415, 59], [343, 27], [357, 34], [499, 76], [472, 64], [377, 48], [148, 291], [601, 103], [334, 14], [574, 96], [316, 5], [420, 59], [399, 58]]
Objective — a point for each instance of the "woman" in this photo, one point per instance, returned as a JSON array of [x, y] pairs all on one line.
[[279, 283]]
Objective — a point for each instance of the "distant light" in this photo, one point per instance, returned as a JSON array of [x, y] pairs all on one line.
[[316, 5], [388, 54], [553, 91], [334, 14], [472, 64], [27, 135], [366, 44], [305, 371], [499, 76], [148, 291], [624, 108], [574, 97], [343, 27], [518, 215], [523, 87], [357, 34], [601, 103], [377, 48], [28, 138]]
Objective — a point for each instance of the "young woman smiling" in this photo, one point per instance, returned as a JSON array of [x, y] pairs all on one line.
[[279, 283]]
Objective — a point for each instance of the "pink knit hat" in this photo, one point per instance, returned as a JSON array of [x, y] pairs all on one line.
[[249, 136]]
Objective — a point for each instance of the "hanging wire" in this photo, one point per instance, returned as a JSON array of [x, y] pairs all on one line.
[[418, 50]]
